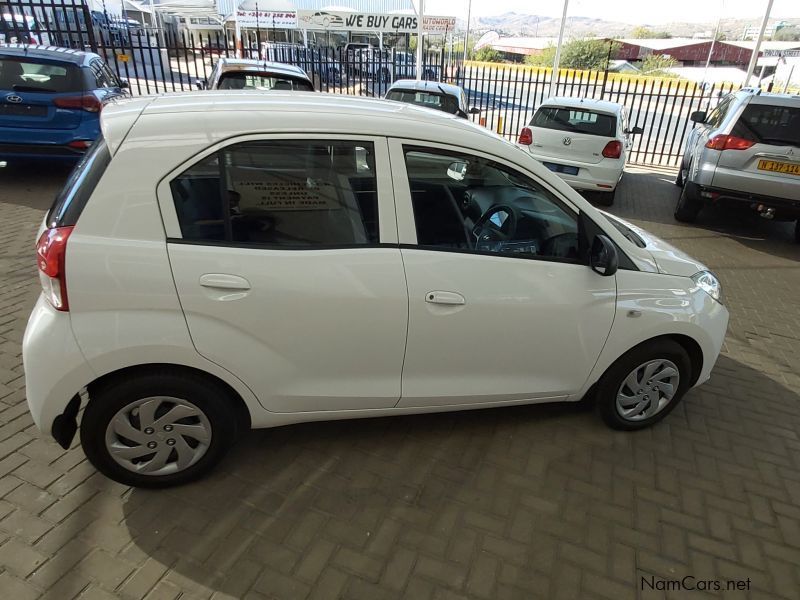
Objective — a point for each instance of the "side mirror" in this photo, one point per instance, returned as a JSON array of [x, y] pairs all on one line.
[[201, 84], [474, 110], [603, 257], [457, 170], [698, 116], [635, 131], [123, 84]]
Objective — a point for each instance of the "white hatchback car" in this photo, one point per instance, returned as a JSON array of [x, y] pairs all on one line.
[[295, 257], [585, 142]]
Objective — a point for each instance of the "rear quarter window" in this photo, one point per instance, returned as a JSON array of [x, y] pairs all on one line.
[[69, 203], [768, 124], [575, 120]]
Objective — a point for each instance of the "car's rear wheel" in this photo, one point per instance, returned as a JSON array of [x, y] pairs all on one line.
[[158, 429], [644, 385], [688, 206]]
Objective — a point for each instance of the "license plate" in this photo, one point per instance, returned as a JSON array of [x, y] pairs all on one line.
[[22, 110], [779, 167], [566, 169]]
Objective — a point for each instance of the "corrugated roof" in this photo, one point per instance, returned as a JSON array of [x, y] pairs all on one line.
[[662, 43], [226, 7]]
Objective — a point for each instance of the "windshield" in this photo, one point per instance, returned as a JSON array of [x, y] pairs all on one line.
[[765, 124], [443, 102], [575, 120], [22, 75], [262, 81]]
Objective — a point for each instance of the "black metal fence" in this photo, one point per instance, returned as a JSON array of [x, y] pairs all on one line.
[[156, 58]]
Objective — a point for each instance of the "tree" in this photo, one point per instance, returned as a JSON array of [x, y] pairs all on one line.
[[544, 58], [488, 54], [657, 64], [589, 54], [787, 34], [642, 33]]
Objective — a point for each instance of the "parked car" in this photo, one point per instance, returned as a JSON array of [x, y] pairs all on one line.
[[251, 74], [389, 65], [330, 258], [747, 152], [51, 99], [432, 94], [315, 62], [21, 29], [585, 142]]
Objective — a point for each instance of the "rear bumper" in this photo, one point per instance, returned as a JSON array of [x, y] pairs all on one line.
[[31, 143], [39, 152], [784, 207], [55, 369], [597, 177]]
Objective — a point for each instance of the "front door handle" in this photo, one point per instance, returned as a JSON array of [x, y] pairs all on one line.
[[223, 281], [451, 298]]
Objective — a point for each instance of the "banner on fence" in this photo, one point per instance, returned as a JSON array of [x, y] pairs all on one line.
[[368, 21], [267, 19]]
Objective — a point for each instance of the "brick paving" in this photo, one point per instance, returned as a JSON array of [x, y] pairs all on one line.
[[528, 502]]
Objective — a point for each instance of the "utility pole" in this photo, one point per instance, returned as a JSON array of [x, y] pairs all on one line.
[[754, 57], [466, 37], [420, 17], [554, 74]]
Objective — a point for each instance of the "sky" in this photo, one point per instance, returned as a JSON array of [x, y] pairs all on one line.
[[652, 12]]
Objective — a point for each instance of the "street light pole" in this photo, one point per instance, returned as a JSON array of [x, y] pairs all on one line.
[[754, 57], [554, 74], [419, 38], [466, 37]]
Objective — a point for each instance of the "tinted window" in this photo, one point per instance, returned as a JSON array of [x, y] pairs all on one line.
[[767, 124], [259, 81], [718, 114], [23, 75], [578, 121], [81, 183], [281, 193], [443, 102], [466, 202]]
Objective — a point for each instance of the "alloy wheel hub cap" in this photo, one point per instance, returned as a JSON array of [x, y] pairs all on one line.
[[647, 390]]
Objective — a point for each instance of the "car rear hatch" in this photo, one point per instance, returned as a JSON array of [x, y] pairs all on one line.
[[571, 134], [40, 94], [761, 155]]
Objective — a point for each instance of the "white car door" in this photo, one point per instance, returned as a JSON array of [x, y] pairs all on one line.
[[285, 258], [501, 308]]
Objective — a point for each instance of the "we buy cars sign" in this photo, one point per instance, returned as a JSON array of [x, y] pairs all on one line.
[[332, 20]]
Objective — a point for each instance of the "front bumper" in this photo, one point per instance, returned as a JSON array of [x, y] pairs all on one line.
[[55, 369]]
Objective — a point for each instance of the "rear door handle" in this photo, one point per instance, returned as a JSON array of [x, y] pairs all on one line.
[[451, 298], [223, 281]]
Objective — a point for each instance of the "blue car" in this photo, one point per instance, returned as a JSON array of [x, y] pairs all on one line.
[[50, 101]]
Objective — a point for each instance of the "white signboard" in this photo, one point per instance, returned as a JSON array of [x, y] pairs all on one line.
[[267, 19], [331, 20]]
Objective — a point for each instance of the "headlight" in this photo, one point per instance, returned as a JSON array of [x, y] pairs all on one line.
[[709, 283]]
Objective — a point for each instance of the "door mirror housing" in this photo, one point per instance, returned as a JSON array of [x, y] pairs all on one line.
[[603, 257], [201, 84], [474, 110], [123, 84], [635, 131], [698, 116]]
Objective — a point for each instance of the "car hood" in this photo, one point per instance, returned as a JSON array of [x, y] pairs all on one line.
[[667, 257]]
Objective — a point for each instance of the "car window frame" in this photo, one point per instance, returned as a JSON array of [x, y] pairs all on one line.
[[406, 222], [387, 225]]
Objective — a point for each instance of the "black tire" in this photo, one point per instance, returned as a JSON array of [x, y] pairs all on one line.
[[797, 231], [688, 206], [612, 381], [605, 198], [679, 178], [211, 399]]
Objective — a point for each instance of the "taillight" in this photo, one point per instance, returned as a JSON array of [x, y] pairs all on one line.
[[728, 142], [613, 149], [80, 144], [87, 102], [525, 137], [51, 250]]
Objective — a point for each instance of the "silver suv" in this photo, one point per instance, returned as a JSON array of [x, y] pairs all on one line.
[[746, 151]]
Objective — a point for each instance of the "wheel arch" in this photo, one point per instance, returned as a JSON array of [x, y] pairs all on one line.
[[241, 410]]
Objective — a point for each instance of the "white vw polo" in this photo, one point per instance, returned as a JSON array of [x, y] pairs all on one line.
[[220, 261], [586, 142]]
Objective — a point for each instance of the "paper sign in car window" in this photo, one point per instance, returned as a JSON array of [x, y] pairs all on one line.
[[262, 191]]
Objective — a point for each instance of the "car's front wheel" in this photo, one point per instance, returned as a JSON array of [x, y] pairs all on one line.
[[157, 429], [644, 385]]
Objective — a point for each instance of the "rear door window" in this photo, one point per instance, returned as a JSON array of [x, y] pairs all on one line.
[[766, 124], [262, 81], [575, 120], [443, 102], [23, 75]]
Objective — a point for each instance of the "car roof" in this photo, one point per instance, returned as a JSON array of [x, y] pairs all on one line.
[[251, 64], [584, 103], [756, 96], [76, 57], [426, 86]]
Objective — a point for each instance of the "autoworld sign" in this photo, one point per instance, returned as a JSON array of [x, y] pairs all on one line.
[[360, 21]]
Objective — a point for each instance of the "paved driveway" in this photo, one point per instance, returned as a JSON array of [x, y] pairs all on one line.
[[529, 502]]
